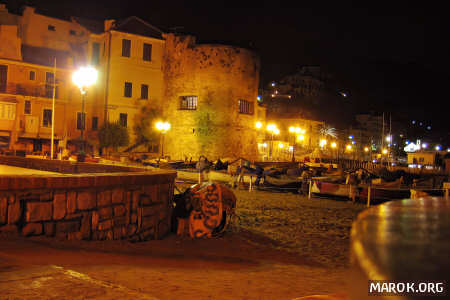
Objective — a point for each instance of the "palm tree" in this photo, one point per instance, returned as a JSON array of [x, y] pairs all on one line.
[[326, 130]]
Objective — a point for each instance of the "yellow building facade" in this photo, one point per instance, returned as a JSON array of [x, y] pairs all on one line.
[[130, 70], [30, 46]]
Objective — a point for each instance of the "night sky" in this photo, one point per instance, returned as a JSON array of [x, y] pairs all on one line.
[[389, 56]]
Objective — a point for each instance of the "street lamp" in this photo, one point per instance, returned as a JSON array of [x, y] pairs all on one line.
[[162, 127], [84, 78], [272, 128], [294, 130]]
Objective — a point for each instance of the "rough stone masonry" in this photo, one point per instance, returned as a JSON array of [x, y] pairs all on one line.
[[135, 206]]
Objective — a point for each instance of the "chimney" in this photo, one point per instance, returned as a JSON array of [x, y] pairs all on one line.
[[109, 24]]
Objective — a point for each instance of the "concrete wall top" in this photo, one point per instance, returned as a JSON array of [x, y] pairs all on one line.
[[20, 182]]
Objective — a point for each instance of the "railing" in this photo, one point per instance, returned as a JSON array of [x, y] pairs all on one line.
[[45, 91]]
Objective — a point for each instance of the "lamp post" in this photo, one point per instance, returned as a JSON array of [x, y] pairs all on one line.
[[294, 130], [162, 127], [272, 128], [84, 78]]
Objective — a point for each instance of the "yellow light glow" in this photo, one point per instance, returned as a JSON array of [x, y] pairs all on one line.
[[366, 149], [84, 77], [276, 131], [264, 145], [300, 137], [258, 125], [162, 126], [333, 145], [271, 127], [385, 151], [349, 147], [292, 129], [323, 143], [298, 130], [280, 145]]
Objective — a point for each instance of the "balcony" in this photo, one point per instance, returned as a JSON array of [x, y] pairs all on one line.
[[34, 90]]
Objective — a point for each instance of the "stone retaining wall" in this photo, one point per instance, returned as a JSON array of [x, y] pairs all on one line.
[[134, 206], [62, 166]]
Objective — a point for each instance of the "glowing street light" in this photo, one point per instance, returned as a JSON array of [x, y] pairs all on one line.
[[388, 138], [385, 151], [294, 130], [366, 149], [162, 127], [349, 147], [323, 143], [258, 125], [333, 145], [84, 78], [300, 137], [272, 128], [280, 145], [438, 148]]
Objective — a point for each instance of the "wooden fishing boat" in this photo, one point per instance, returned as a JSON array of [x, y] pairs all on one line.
[[214, 176], [377, 192]]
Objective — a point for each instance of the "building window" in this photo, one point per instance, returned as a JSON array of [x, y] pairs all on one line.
[[3, 77], [188, 102], [144, 91], [95, 53], [126, 48], [51, 28], [27, 109], [147, 53], [72, 32], [123, 120], [49, 81], [128, 90], [7, 111], [245, 107], [94, 123], [81, 117], [32, 75], [47, 118]]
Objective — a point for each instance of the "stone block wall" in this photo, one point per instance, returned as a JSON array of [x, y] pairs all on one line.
[[219, 76], [93, 207]]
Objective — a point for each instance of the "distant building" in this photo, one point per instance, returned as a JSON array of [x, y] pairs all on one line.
[[425, 158], [305, 141]]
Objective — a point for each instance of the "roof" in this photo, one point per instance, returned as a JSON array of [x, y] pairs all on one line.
[[135, 25], [46, 56]]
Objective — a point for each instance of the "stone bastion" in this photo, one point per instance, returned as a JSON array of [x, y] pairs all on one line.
[[219, 76], [125, 203]]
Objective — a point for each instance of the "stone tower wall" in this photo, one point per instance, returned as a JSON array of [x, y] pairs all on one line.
[[219, 76]]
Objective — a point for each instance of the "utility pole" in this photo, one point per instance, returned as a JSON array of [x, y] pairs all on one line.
[[53, 111]]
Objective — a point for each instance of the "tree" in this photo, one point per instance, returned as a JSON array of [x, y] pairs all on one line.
[[327, 131], [113, 135], [144, 128]]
